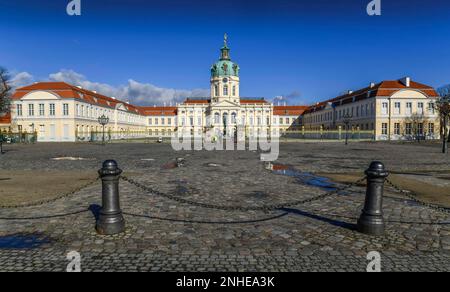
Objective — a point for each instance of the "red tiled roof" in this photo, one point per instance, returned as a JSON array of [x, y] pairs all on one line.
[[197, 101], [384, 88], [253, 101], [159, 111], [65, 90], [289, 110]]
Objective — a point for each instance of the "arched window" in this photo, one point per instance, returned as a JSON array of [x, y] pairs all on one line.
[[233, 118], [216, 90], [225, 119], [225, 90], [216, 118]]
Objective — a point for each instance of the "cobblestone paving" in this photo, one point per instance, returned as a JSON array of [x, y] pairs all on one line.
[[164, 235]]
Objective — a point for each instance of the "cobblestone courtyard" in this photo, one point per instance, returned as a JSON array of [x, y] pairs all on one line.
[[164, 235]]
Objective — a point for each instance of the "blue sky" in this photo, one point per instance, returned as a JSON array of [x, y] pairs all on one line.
[[161, 51]]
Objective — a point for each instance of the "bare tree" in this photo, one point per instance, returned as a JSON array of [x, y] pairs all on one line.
[[5, 93], [443, 106], [418, 123]]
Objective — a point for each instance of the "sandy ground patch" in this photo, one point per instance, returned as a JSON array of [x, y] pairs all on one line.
[[430, 187], [25, 187]]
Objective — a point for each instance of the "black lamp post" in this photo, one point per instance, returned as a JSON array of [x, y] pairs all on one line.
[[103, 120], [1, 142], [444, 109], [347, 119]]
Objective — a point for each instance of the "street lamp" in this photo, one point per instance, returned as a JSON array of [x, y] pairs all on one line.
[[347, 119], [443, 105], [103, 120]]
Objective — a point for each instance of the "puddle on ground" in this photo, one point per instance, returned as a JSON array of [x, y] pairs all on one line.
[[23, 241], [3, 179], [147, 159], [212, 165], [304, 178], [72, 159]]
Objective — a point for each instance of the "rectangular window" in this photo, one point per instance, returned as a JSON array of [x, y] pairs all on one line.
[[41, 109], [199, 121], [420, 108], [397, 108], [409, 108], [191, 121], [52, 109], [281, 121], [431, 128], [431, 109], [150, 121], [65, 109], [384, 128], [287, 121], [163, 121], [31, 110], [408, 129], [156, 121], [420, 128], [19, 110], [384, 108], [169, 121], [397, 129]]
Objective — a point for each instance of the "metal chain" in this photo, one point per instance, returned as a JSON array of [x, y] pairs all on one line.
[[46, 216], [239, 208], [413, 197], [43, 202]]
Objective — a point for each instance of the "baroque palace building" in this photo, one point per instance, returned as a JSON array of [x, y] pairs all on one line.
[[393, 110], [61, 112]]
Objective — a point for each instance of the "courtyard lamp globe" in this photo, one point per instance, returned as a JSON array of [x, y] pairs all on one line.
[[103, 120]]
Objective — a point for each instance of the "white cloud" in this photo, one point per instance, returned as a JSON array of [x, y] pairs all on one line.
[[134, 91], [290, 98], [21, 79]]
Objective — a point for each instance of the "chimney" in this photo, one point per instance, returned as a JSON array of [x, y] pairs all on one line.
[[406, 81], [80, 87], [350, 91], [94, 92], [113, 97], [372, 85]]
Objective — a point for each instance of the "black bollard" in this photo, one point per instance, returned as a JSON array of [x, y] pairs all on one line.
[[110, 221], [371, 221]]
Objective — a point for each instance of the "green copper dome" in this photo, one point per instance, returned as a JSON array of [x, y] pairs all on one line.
[[225, 67]]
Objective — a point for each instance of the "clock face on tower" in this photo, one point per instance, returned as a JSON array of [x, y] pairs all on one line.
[[225, 80]]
